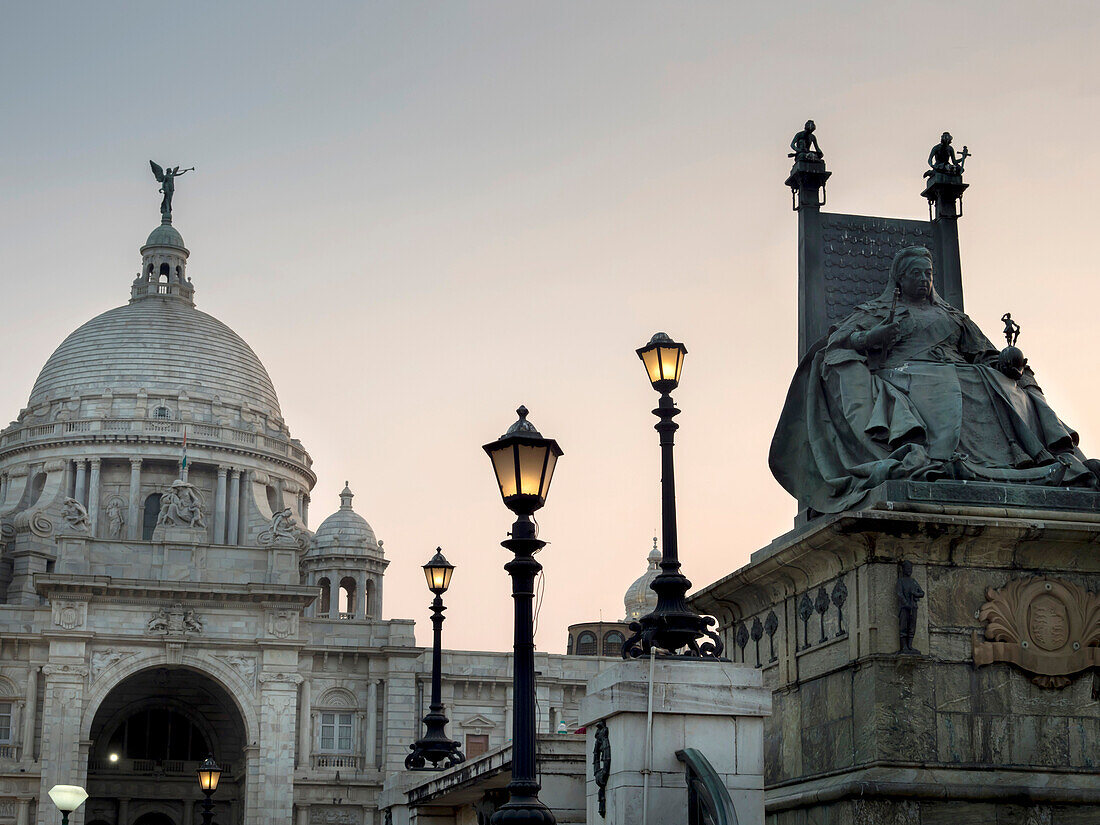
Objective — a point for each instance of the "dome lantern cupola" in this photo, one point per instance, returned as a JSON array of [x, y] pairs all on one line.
[[163, 267]]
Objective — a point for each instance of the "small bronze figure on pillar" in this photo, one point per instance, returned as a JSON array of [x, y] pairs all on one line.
[[805, 145], [909, 593], [943, 160]]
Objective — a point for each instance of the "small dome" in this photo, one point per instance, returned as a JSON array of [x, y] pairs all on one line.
[[165, 235], [345, 532], [640, 598]]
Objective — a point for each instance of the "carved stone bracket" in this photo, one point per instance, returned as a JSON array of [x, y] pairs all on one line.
[[1049, 628]]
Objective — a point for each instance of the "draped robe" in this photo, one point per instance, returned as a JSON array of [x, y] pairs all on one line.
[[932, 406]]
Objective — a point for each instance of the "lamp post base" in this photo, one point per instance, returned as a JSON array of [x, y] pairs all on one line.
[[435, 747], [523, 807], [673, 628]]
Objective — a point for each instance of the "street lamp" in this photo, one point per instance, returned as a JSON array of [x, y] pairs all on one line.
[[67, 798], [209, 776], [673, 627], [524, 465], [435, 747]]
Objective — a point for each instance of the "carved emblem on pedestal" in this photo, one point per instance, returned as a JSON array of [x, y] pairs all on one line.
[[174, 621], [69, 615], [1047, 627], [282, 624]]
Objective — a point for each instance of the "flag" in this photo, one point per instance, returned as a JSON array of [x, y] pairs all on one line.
[[183, 464]]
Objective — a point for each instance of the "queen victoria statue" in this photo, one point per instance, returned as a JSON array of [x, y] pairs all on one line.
[[908, 387]]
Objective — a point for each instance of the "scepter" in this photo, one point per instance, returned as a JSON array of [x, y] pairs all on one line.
[[894, 305]]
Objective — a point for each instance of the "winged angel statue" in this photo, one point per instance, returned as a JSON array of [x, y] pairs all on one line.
[[167, 179]]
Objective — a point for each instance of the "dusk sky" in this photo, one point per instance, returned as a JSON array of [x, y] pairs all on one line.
[[420, 215]]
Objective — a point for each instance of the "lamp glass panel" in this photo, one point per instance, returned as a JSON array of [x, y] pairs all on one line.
[[551, 461], [504, 465], [652, 360], [671, 359], [532, 461], [67, 797], [208, 780], [439, 578]]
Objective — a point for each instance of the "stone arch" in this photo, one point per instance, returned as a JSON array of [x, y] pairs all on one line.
[[149, 514], [338, 697], [8, 689], [220, 672], [324, 602], [348, 599], [154, 813]]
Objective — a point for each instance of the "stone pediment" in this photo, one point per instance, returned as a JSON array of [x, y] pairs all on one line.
[[477, 721]]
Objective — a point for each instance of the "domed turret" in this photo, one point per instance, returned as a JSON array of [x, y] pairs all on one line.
[[640, 598], [346, 561]]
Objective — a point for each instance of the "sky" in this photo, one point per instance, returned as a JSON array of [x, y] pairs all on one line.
[[421, 215]]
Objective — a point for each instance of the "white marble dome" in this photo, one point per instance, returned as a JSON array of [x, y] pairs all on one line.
[[345, 532], [640, 598], [160, 346]]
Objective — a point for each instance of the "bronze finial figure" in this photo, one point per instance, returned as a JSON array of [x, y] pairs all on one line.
[[805, 145], [1011, 361], [167, 180], [943, 160]]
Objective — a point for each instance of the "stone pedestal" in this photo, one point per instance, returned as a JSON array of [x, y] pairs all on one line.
[[180, 535], [717, 708], [993, 720]]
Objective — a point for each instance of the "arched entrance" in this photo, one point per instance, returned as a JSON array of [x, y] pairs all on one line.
[[149, 736]]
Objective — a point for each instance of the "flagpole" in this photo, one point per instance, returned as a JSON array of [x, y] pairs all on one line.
[[183, 463]]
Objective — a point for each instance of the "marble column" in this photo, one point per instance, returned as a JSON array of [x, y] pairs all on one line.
[[304, 733], [31, 709], [305, 509], [188, 813], [234, 507], [135, 514], [278, 695], [3, 488], [123, 811], [23, 812], [93, 495], [371, 738], [63, 755], [303, 815], [81, 469], [219, 508]]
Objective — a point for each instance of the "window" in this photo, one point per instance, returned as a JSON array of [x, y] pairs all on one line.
[[476, 744], [336, 731], [149, 516], [326, 598], [347, 597], [613, 643], [162, 413], [5, 722], [586, 644]]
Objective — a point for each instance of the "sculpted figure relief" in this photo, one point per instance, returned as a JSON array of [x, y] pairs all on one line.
[[181, 506], [908, 387], [116, 519], [284, 529], [75, 515]]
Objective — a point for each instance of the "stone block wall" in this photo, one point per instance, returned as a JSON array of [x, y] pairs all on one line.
[[863, 734]]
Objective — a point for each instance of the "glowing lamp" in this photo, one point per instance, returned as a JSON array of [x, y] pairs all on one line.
[[209, 775], [67, 798], [438, 572], [524, 465], [663, 359]]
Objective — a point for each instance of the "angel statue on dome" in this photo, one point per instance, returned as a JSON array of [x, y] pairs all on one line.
[[167, 179]]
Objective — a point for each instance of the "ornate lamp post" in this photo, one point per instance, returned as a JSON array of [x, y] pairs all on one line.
[[435, 747], [209, 776], [67, 798], [673, 627], [524, 464]]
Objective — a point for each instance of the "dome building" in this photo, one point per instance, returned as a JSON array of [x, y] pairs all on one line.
[[163, 598]]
